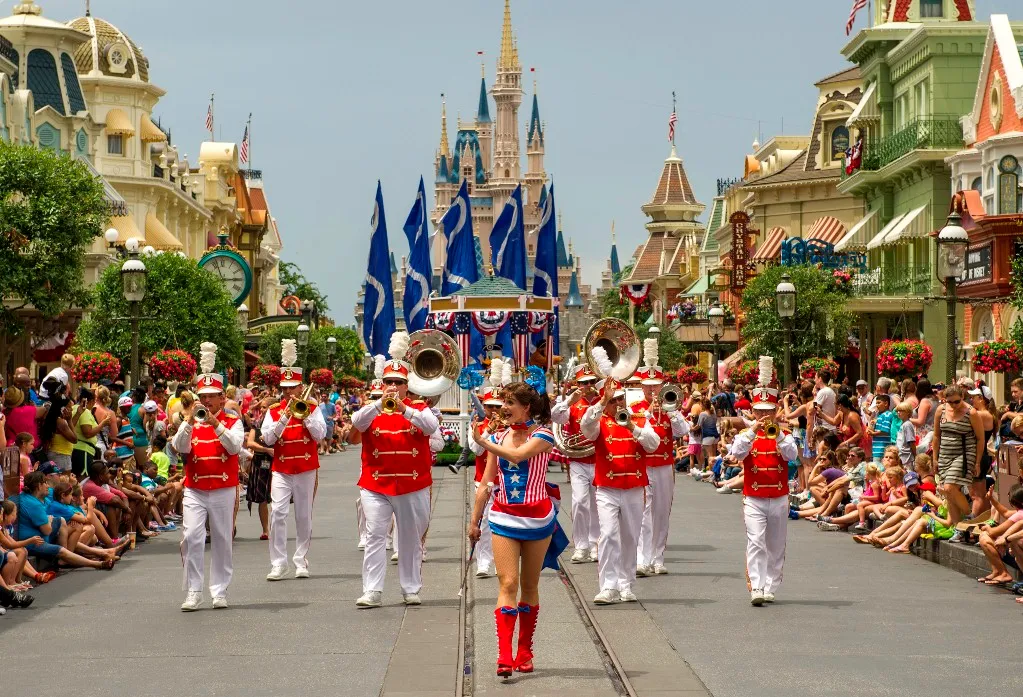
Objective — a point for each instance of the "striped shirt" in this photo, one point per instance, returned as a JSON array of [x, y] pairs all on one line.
[[520, 497]]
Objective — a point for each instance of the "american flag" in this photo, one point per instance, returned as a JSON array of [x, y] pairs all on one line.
[[857, 6], [520, 338], [209, 117], [244, 152], [463, 335], [672, 120]]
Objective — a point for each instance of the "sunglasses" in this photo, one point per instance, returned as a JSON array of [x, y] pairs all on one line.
[[394, 382]]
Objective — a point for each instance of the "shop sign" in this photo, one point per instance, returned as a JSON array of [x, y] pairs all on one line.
[[740, 250], [978, 265]]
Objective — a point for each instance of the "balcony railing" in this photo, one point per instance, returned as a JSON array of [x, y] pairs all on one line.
[[920, 134], [908, 281], [157, 171]]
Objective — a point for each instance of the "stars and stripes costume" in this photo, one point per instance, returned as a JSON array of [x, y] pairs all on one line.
[[521, 508]]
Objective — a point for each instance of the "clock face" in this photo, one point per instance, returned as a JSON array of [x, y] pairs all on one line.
[[232, 272]]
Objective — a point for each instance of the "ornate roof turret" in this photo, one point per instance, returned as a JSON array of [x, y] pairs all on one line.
[[483, 110], [562, 253], [394, 267], [111, 52], [444, 153], [673, 186], [914, 11], [575, 298]]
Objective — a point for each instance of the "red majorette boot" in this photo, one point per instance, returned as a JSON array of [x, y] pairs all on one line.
[[527, 625], [504, 617]]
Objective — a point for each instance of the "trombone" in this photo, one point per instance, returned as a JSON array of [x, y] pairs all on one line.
[[300, 409]]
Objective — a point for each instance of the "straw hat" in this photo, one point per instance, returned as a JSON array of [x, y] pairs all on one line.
[[13, 398]]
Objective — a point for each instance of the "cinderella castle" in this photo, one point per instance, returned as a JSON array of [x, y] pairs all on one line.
[[487, 153]]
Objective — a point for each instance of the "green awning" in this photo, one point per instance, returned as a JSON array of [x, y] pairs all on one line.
[[699, 288]]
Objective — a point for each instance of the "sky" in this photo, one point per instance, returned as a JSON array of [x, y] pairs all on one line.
[[344, 93]]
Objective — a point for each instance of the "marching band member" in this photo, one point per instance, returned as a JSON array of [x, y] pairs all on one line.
[[376, 391], [294, 467], [209, 447], [660, 470], [395, 480], [492, 404], [620, 477], [765, 451], [568, 413], [522, 518]]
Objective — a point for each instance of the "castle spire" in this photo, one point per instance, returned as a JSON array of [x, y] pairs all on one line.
[[443, 127], [509, 58], [535, 126], [483, 111], [616, 267], [575, 298]]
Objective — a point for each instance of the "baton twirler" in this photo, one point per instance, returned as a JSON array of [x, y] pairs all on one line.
[[468, 564]]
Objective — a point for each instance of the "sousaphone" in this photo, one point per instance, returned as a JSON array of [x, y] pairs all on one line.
[[434, 362], [621, 344]]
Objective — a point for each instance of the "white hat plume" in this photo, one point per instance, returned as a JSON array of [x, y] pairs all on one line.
[[766, 366], [398, 346], [506, 373], [378, 366], [600, 357], [207, 356], [496, 370], [289, 352], [650, 352]]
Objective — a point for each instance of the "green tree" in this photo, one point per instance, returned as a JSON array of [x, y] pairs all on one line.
[[347, 358], [821, 323], [184, 306], [51, 209], [295, 283]]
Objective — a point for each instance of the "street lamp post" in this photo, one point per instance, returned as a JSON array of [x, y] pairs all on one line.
[[303, 343], [716, 325], [331, 350], [953, 242], [785, 294], [133, 284], [243, 325]]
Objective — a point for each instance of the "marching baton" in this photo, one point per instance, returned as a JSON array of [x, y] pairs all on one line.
[[468, 564]]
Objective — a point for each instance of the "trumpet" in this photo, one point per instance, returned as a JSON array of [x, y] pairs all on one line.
[[623, 417], [389, 405], [201, 414], [669, 397], [771, 430], [301, 408]]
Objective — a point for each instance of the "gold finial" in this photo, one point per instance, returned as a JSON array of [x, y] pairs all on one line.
[[559, 220], [509, 57], [28, 7], [444, 127], [612, 230]]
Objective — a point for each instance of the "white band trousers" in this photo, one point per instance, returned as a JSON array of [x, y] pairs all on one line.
[[283, 488], [585, 528], [656, 513], [217, 507], [412, 516], [620, 512], [766, 521], [485, 547]]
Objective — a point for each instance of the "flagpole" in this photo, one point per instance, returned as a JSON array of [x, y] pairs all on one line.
[[673, 111], [213, 115], [248, 130]]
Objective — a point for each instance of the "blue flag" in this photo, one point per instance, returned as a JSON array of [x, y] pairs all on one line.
[[378, 308], [419, 274], [545, 270], [460, 266], [508, 242]]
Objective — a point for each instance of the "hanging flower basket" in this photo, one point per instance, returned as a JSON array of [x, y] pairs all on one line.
[[998, 357], [688, 375], [324, 377], [903, 358], [93, 366], [745, 373], [266, 375], [350, 382], [809, 368], [172, 364]]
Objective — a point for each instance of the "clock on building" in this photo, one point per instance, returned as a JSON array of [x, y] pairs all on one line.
[[230, 267]]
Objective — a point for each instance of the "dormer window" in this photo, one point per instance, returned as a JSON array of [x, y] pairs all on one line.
[[932, 8]]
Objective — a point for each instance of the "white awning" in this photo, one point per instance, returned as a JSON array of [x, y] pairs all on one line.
[[909, 226], [860, 234], [866, 110], [878, 239]]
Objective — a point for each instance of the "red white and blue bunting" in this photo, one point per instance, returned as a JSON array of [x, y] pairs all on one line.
[[442, 320], [489, 322], [538, 321], [636, 292]]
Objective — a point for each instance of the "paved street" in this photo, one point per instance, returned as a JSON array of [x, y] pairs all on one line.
[[849, 621]]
